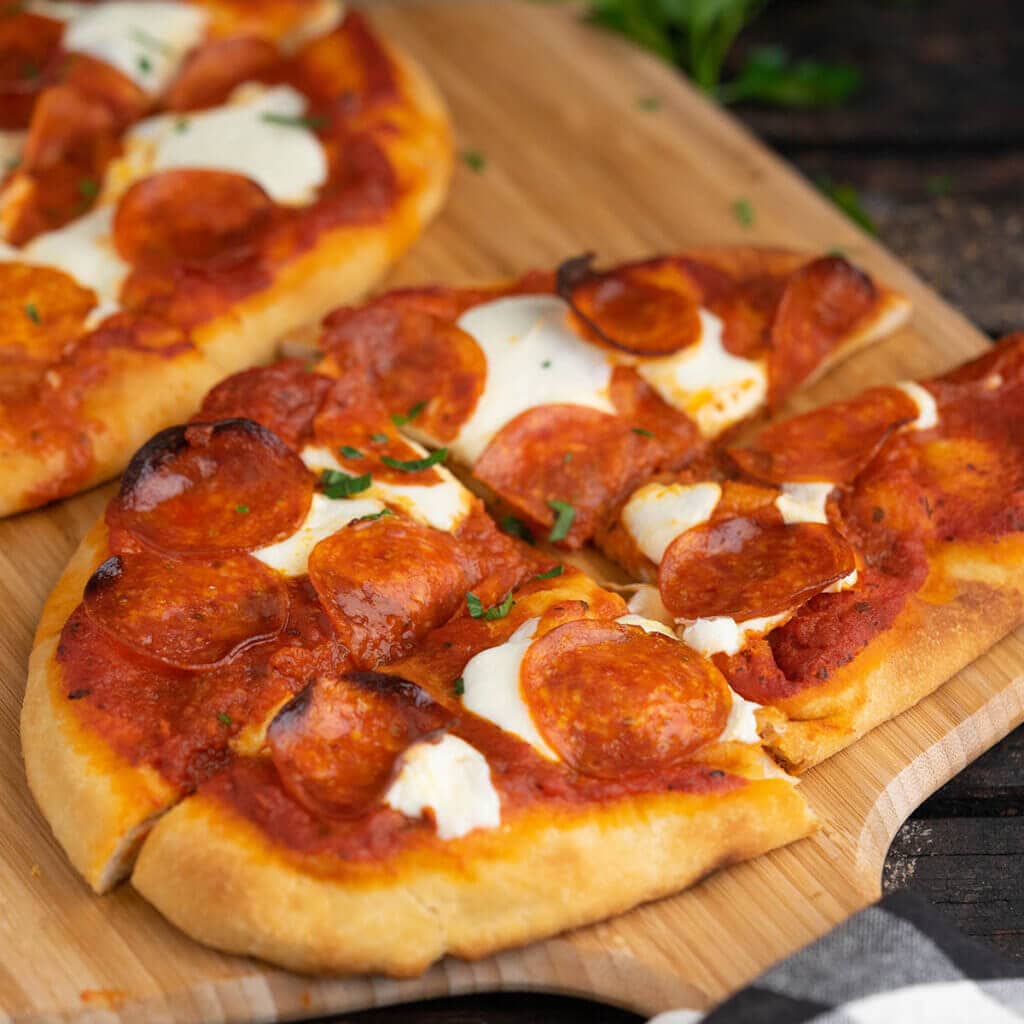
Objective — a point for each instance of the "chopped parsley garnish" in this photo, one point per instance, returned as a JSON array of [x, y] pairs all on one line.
[[32, 312], [140, 35], [649, 103], [459, 686], [224, 718], [550, 574], [642, 431], [515, 527], [310, 122], [567, 457], [474, 160], [400, 421], [12, 165], [546, 365], [340, 485], [181, 125], [416, 465], [743, 211], [242, 509], [30, 69], [350, 453], [371, 516], [565, 515], [496, 611], [145, 64], [847, 198], [88, 188], [378, 438]]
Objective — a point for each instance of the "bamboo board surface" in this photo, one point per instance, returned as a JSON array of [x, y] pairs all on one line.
[[572, 163]]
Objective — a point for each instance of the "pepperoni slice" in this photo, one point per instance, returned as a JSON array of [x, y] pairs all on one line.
[[28, 42], [614, 701], [823, 303], [212, 71], [42, 311], [188, 614], [566, 453], [284, 398], [385, 583], [212, 489], [744, 568], [624, 308], [192, 217], [833, 443], [335, 744], [411, 358]]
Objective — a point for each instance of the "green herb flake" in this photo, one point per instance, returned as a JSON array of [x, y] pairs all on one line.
[[242, 509], [181, 125], [770, 76], [459, 687], [371, 516], [474, 160], [565, 516], [847, 198], [145, 64], [400, 421], [88, 188], [151, 42], [350, 453], [416, 465], [939, 184], [649, 103], [567, 457], [497, 611], [550, 574], [224, 719], [309, 122], [515, 527], [743, 211], [546, 365], [379, 438], [32, 312], [643, 432], [336, 484]]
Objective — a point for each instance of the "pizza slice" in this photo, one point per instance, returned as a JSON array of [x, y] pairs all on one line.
[[850, 560], [186, 183], [560, 392]]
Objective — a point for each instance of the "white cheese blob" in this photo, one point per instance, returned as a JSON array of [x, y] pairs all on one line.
[[450, 778], [720, 634], [442, 505], [658, 513], [491, 688], [258, 134], [927, 410], [844, 584], [326, 516], [804, 503], [84, 249], [533, 358], [11, 146], [647, 603], [647, 625], [714, 387], [741, 726], [145, 41]]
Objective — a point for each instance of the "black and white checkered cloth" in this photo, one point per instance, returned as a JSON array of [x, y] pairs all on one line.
[[898, 962]]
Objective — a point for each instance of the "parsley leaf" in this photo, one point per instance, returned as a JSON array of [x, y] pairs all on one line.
[[349, 452], [415, 465], [224, 718], [459, 686], [743, 211], [400, 421], [642, 431], [310, 122], [32, 312], [769, 76], [336, 484], [378, 438], [242, 509], [565, 515], [550, 574], [474, 160], [497, 611], [846, 197], [371, 516], [88, 188], [515, 527], [181, 125], [567, 457], [145, 64]]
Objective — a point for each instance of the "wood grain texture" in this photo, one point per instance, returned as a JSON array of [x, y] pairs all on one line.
[[572, 162]]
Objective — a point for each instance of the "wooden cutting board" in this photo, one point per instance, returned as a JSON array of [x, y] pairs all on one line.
[[573, 160]]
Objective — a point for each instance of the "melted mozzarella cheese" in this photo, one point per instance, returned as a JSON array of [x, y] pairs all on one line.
[[11, 146], [84, 249], [325, 517], [533, 358], [491, 688], [646, 602], [741, 726], [844, 584], [647, 625], [927, 410], [244, 137], [720, 634], [319, 18], [450, 778], [716, 388], [658, 513], [804, 503], [443, 505], [146, 41]]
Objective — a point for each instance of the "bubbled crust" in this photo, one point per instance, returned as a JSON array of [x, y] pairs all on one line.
[[98, 805], [140, 395], [973, 597], [219, 879]]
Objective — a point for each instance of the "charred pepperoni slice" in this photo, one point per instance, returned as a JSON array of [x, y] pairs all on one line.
[[744, 568], [832, 444], [212, 489], [628, 309], [581, 457], [189, 614], [191, 217], [335, 744], [385, 583], [613, 700]]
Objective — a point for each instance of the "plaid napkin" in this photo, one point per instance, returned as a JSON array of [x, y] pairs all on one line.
[[898, 961]]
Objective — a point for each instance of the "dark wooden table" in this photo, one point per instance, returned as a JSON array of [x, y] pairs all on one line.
[[934, 143]]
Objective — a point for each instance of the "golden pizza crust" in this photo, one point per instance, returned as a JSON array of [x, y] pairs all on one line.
[[218, 878], [145, 394], [973, 597]]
